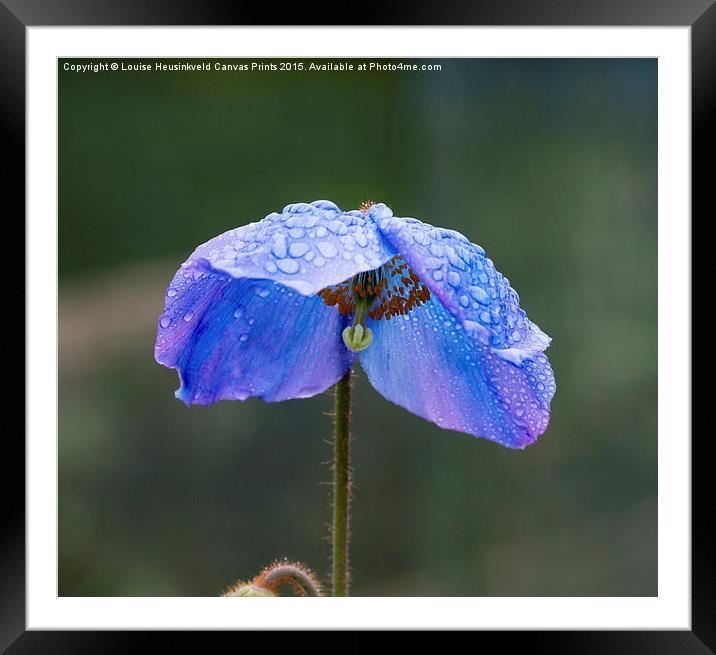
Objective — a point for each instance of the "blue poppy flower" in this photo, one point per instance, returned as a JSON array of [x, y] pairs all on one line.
[[281, 308]]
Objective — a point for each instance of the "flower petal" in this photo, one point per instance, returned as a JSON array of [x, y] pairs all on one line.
[[427, 363], [306, 247], [231, 339], [469, 286]]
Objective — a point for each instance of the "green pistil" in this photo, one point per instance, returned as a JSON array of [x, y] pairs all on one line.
[[357, 336]]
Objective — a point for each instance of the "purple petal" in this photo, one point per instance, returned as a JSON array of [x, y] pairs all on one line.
[[469, 286], [231, 339], [306, 247], [428, 364]]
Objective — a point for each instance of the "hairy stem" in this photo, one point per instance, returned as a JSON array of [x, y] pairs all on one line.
[[295, 575], [276, 575], [340, 534]]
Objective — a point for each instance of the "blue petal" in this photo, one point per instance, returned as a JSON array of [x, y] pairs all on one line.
[[231, 339], [469, 286], [306, 247], [428, 364]]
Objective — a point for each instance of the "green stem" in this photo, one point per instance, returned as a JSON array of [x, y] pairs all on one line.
[[340, 534]]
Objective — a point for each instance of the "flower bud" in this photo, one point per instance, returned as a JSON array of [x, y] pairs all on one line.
[[249, 590]]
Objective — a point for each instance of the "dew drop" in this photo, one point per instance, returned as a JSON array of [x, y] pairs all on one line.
[[421, 238], [479, 294], [279, 245], [327, 249], [453, 279], [165, 321], [297, 208], [361, 239], [337, 227], [288, 266], [326, 205], [298, 249], [188, 316]]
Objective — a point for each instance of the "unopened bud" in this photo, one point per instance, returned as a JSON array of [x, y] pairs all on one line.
[[249, 590]]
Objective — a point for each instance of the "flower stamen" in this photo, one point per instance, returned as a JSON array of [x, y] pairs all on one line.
[[391, 290], [365, 206]]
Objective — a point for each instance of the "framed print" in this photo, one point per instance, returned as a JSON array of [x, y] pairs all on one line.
[[393, 315]]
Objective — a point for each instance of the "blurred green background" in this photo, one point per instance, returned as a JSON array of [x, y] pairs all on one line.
[[550, 165]]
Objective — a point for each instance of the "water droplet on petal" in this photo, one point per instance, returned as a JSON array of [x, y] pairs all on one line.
[[327, 249], [479, 294], [326, 205], [165, 321], [188, 316], [421, 238], [361, 239], [279, 245], [297, 208], [298, 249], [337, 227], [288, 266]]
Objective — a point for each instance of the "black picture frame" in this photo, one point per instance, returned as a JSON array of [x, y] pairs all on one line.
[[17, 15]]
